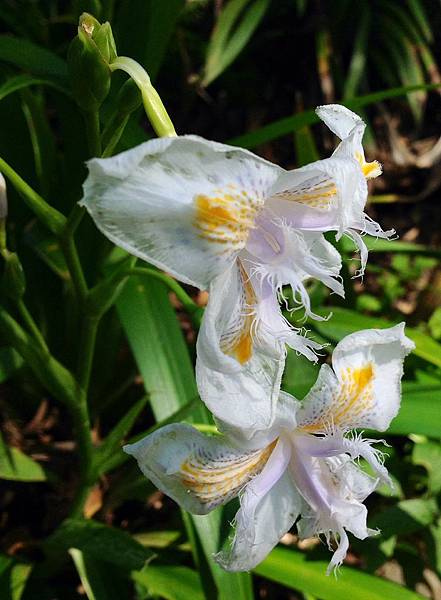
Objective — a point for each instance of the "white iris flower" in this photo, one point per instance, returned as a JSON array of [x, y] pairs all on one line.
[[304, 468], [220, 217]]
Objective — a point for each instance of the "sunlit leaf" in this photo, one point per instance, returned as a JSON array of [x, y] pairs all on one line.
[[294, 570], [170, 582], [17, 466]]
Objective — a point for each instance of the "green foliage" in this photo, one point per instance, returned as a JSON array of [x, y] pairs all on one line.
[[297, 571]]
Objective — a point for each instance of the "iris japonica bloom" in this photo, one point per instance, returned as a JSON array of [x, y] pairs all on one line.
[[220, 217], [304, 467]]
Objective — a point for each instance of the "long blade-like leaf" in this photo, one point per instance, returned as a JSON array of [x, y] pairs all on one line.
[[160, 351]]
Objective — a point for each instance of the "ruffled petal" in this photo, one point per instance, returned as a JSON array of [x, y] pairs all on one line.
[[364, 389], [301, 255], [199, 472], [238, 372], [332, 496], [184, 204], [269, 507]]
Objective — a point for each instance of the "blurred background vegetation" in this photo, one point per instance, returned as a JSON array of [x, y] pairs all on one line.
[[247, 72]]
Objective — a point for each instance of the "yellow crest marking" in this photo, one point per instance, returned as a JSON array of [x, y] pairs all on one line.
[[319, 195], [226, 217], [352, 400], [238, 342], [213, 480]]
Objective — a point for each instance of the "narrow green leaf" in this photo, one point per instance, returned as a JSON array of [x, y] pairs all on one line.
[[10, 362], [162, 357], [357, 65], [288, 125], [120, 457], [225, 46], [345, 321], [94, 577], [170, 582], [306, 149], [33, 58], [100, 542], [395, 246], [14, 84], [13, 578], [16, 466], [113, 439], [417, 9], [296, 571]]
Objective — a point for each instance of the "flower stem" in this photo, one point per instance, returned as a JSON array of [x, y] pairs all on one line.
[[51, 217], [153, 105], [86, 351], [70, 252], [92, 121], [81, 421], [31, 325]]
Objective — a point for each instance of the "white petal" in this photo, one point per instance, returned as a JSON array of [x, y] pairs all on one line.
[[197, 471], [365, 389], [269, 507], [184, 204], [252, 439], [238, 373], [339, 119]]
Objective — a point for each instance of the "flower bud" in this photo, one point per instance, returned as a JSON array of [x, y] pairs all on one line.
[[14, 283], [88, 60]]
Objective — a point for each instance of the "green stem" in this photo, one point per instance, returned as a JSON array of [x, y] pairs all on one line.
[[115, 137], [92, 121], [81, 415], [70, 252], [74, 219], [86, 351], [153, 105], [31, 325], [51, 217], [81, 421]]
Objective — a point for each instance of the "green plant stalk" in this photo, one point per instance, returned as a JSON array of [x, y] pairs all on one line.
[[116, 136], [153, 105], [51, 217], [80, 417], [86, 351], [92, 122], [70, 252]]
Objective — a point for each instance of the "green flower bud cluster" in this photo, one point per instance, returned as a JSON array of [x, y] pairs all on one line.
[[92, 58], [89, 56]]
